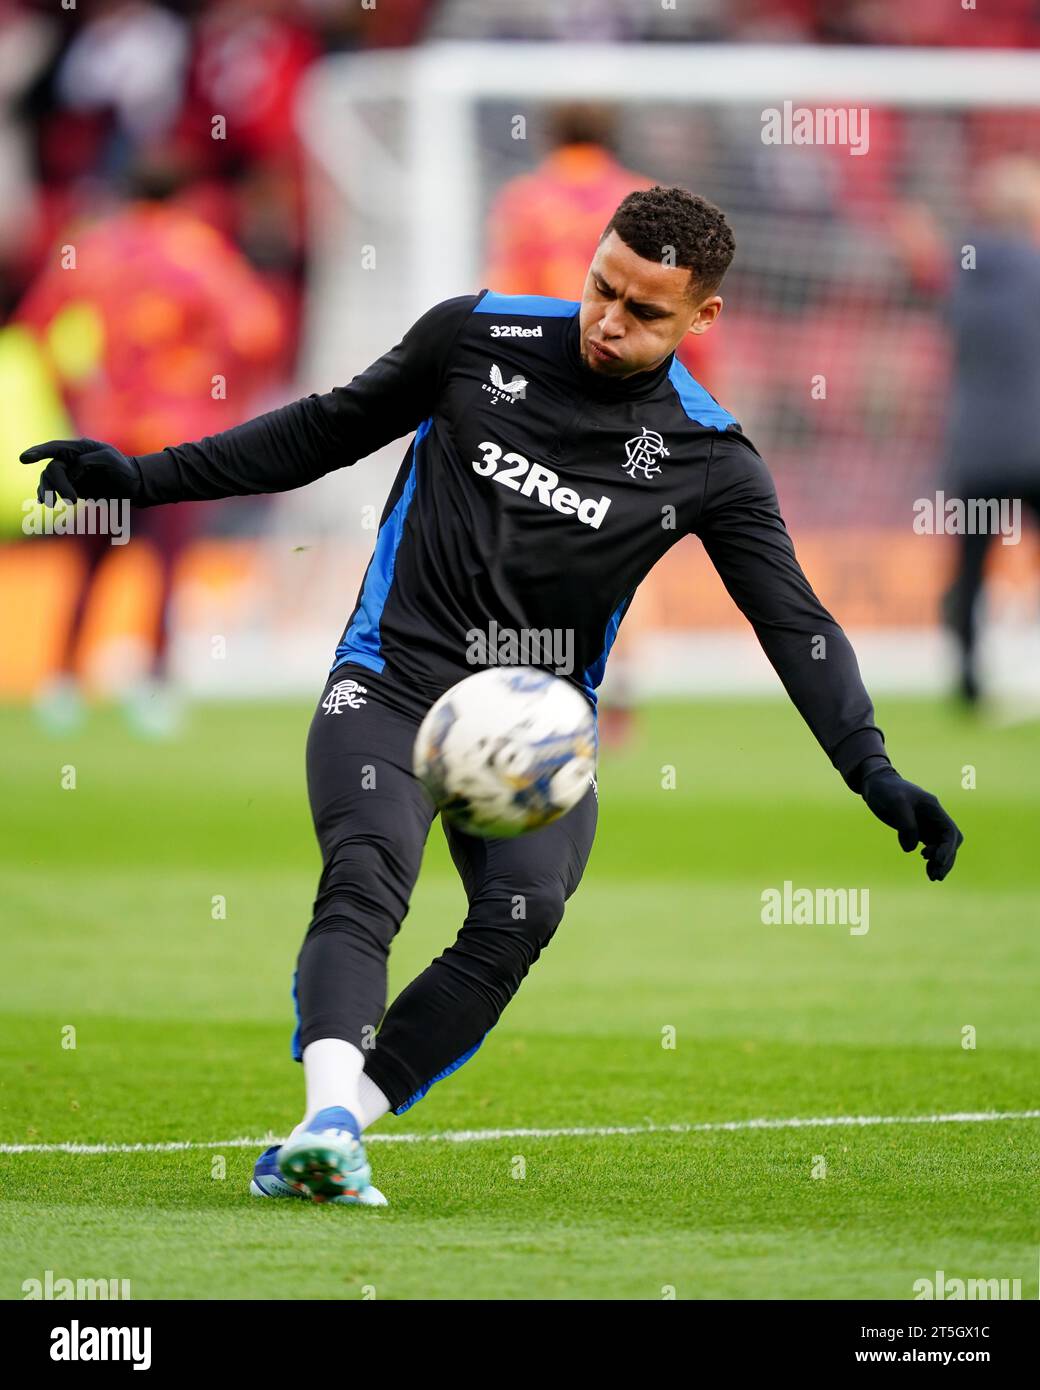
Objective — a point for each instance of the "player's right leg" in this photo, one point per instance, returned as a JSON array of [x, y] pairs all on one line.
[[372, 819]]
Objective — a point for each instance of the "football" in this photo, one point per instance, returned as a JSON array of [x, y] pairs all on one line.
[[507, 750]]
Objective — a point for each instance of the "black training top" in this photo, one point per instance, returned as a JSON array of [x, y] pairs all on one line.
[[535, 497]]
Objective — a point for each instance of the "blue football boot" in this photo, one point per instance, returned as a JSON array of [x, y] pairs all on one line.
[[326, 1162]]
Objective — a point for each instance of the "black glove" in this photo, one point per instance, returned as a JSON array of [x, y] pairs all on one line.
[[917, 816], [84, 468]]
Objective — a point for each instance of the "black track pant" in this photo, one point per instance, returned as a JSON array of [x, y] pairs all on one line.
[[372, 818]]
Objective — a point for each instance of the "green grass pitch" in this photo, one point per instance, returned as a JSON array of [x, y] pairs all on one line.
[[182, 1028]]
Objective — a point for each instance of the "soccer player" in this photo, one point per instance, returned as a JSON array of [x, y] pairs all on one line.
[[560, 450]]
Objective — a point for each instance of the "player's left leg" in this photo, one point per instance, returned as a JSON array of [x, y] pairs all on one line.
[[517, 889]]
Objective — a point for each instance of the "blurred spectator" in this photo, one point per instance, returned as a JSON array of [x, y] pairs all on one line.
[[127, 59], [27, 42], [248, 59], [993, 442], [159, 332]]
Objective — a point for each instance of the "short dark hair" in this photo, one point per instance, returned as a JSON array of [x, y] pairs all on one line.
[[676, 227]]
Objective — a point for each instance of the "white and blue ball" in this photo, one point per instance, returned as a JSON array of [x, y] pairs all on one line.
[[507, 750]]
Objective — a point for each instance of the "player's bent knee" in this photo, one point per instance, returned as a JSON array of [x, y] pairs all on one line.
[[544, 909], [362, 883], [530, 917]]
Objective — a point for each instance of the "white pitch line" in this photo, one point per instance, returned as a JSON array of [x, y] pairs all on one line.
[[476, 1136]]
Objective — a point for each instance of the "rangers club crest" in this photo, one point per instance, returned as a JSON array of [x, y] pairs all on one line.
[[642, 454], [344, 695]]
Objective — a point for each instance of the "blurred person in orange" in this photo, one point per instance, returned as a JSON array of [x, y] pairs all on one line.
[[154, 326]]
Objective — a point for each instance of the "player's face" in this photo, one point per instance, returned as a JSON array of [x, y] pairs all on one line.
[[635, 312]]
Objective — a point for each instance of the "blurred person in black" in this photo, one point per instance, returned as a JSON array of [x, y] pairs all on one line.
[[993, 437]]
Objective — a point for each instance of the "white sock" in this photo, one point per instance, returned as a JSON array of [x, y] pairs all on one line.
[[373, 1103], [332, 1069], [333, 1072]]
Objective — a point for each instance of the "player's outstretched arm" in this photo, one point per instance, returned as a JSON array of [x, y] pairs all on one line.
[[275, 452], [746, 539]]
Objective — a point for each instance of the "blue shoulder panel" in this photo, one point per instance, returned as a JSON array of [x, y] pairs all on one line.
[[540, 306], [699, 404]]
